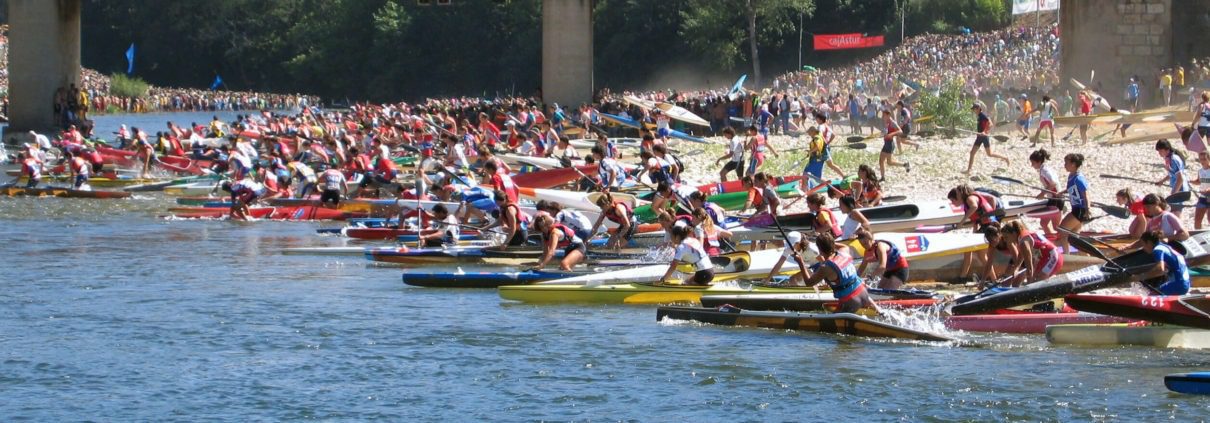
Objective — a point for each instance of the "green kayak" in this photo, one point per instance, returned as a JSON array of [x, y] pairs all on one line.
[[730, 201]]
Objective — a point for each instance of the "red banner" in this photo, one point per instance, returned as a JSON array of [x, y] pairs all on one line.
[[846, 41]]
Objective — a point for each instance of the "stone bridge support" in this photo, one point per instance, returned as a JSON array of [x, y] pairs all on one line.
[[43, 55]]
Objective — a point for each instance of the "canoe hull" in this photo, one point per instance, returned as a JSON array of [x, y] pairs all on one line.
[[1189, 383], [1189, 310], [841, 323], [1123, 334]]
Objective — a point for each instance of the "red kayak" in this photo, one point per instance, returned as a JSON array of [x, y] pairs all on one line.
[[170, 163], [389, 233], [547, 179], [1024, 322], [274, 213], [737, 186], [1184, 310]]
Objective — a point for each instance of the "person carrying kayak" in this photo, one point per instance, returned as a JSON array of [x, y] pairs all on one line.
[[335, 187], [444, 228], [835, 269], [1168, 262], [1174, 164], [558, 236], [243, 193], [1049, 191], [855, 220], [689, 250], [711, 236], [1030, 251], [734, 156], [618, 212], [979, 208], [889, 261], [983, 129]]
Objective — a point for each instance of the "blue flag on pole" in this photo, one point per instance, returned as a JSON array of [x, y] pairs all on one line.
[[218, 80], [130, 59]]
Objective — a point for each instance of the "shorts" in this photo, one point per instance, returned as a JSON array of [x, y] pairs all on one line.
[[1047, 124], [1049, 265], [1024, 123], [701, 277], [332, 195], [888, 146], [33, 182], [827, 153], [519, 238], [81, 180], [1082, 214], [583, 234], [1058, 203], [1203, 131], [662, 133], [573, 247], [246, 197], [906, 128], [738, 167], [1202, 203], [982, 140], [432, 243], [901, 274]]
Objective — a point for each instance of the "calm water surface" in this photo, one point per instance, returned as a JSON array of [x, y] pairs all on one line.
[[108, 312]]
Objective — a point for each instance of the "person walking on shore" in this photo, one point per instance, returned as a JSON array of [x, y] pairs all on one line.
[[887, 155], [983, 127]]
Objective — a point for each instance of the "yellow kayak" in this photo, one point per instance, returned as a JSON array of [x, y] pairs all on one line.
[[634, 293]]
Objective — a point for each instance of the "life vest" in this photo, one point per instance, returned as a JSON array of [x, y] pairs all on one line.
[[870, 192], [522, 218], [711, 243], [759, 146], [1041, 244], [505, 183], [80, 166], [831, 221], [31, 168], [612, 213], [605, 173], [986, 209], [894, 258], [847, 281], [569, 236]]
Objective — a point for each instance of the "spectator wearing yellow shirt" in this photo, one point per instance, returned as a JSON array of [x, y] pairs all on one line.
[[1023, 118], [1166, 86]]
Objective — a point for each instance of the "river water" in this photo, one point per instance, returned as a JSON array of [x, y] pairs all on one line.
[[109, 312]]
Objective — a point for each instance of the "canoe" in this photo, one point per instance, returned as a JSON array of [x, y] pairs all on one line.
[[812, 301], [553, 177], [1084, 280], [1187, 310], [1024, 322], [631, 123], [460, 279], [682, 114], [633, 293], [572, 199], [272, 213], [1197, 383], [738, 185], [62, 192], [1127, 334], [394, 233], [907, 217], [840, 323], [741, 264], [192, 189], [727, 201]]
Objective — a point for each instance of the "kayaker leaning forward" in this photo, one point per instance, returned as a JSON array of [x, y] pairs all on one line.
[[836, 270], [689, 250]]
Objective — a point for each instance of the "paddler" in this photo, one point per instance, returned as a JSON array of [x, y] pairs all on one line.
[[689, 250], [1174, 164], [979, 208], [711, 236], [665, 199], [610, 174], [855, 220], [30, 169], [618, 212], [905, 124], [1203, 194], [888, 259], [444, 228], [1134, 204], [698, 201], [983, 130], [513, 221], [1049, 191], [825, 132], [243, 193], [1030, 251], [559, 236], [335, 187], [1159, 219], [761, 196], [887, 155], [734, 156], [501, 182], [1047, 110], [79, 169], [825, 221], [305, 176], [815, 159], [568, 217], [1169, 262], [836, 270], [1077, 194], [796, 246], [866, 189]]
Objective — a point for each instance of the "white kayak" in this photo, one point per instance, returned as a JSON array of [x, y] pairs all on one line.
[[898, 217], [588, 144], [682, 114], [584, 201], [759, 265]]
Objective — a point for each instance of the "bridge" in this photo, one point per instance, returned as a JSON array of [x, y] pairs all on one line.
[[1116, 38]]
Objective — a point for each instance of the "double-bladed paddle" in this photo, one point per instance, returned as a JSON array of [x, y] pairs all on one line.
[[1127, 178], [1006, 179]]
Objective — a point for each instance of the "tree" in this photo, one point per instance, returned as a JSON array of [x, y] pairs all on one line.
[[710, 28]]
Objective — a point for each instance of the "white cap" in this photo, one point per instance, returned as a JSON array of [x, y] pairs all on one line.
[[794, 237]]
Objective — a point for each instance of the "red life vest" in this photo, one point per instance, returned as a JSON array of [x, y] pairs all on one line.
[[568, 235], [987, 206], [831, 221], [612, 213]]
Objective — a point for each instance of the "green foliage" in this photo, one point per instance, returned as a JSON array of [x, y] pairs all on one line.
[[947, 16], [124, 86], [720, 30], [949, 106]]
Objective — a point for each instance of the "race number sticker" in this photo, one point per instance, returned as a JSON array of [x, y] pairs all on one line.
[[1086, 276]]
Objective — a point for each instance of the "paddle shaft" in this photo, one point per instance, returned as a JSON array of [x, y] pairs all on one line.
[[1127, 178]]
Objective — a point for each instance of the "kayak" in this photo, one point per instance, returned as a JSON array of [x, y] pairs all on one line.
[[462, 279], [394, 233], [553, 177], [1187, 310], [1024, 322], [585, 201], [631, 123], [906, 217], [405, 255], [62, 192], [682, 114], [588, 144], [1127, 334], [738, 185], [160, 185], [634, 293], [812, 301], [840, 323], [727, 201], [100, 182], [740, 264], [273, 213], [1197, 383], [1084, 280], [192, 189]]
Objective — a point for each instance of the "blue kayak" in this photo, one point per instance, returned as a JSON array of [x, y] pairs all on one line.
[[1189, 383], [631, 123], [483, 279]]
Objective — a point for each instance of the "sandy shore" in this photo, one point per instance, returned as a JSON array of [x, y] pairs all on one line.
[[938, 164]]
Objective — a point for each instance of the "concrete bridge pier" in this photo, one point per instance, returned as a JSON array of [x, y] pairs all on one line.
[[43, 55], [567, 52]]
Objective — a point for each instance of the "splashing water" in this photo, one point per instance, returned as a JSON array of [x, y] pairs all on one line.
[[926, 319]]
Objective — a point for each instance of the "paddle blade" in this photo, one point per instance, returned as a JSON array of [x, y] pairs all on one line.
[[857, 146], [854, 138], [894, 198], [1179, 197], [1006, 179], [1115, 211], [1083, 245], [993, 192]]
